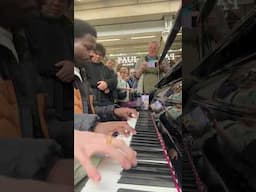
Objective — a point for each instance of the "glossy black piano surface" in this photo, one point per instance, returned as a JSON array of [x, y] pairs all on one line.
[[223, 85]]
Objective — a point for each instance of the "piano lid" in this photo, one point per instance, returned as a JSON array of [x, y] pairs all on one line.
[[206, 9], [172, 35], [237, 44], [174, 73]]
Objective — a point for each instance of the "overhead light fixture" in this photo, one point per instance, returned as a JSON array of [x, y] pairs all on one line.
[[106, 40], [143, 37], [175, 50], [141, 53], [118, 54]]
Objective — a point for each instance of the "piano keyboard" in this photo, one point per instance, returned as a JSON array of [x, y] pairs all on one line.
[[152, 173]]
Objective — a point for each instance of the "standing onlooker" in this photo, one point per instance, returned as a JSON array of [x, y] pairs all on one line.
[[51, 41], [147, 72], [111, 64], [102, 80], [122, 86], [132, 81]]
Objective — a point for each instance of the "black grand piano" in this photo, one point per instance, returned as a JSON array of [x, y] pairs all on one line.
[[220, 108]]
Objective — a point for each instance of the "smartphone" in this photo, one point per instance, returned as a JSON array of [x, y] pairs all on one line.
[[151, 63]]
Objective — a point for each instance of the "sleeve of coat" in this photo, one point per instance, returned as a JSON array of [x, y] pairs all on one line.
[[106, 113], [111, 79], [85, 122]]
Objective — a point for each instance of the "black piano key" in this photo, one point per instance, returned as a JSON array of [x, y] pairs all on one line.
[[146, 148], [143, 137], [149, 131], [151, 170], [145, 140], [156, 145], [147, 171], [146, 134], [145, 156], [141, 175], [142, 150], [138, 138], [146, 182], [144, 127], [142, 142]]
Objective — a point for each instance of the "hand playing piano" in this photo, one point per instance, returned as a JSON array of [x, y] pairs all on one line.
[[125, 112], [108, 128], [87, 144]]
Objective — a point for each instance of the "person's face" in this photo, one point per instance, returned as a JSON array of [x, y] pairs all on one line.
[[54, 8], [124, 74], [110, 64], [84, 47], [132, 72], [17, 12], [152, 49], [97, 56]]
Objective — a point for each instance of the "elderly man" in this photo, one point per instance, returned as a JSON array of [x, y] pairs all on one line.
[[147, 71]]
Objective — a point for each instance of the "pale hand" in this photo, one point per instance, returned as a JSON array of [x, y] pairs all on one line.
[[102, 85], [87, 144], [108, 128], [125, 112]]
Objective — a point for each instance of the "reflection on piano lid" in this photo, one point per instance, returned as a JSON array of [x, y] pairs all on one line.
[[232, 47], [154, 171], [172, 35], [173, 74]]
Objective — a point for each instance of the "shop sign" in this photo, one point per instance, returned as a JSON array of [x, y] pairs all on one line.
[[127, 60]]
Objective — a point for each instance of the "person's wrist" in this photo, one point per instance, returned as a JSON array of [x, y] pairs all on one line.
[[106, 90], [114, 111], [139, 73], [115, 115]]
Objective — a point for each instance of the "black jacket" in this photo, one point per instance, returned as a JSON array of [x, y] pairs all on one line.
[[99, 72], [51, 41]]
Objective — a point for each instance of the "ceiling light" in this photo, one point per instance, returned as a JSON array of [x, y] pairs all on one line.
[[105, 40], [117, 55], [175, 50], [143, 37]]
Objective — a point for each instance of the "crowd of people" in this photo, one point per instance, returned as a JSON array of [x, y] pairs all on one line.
[[131, 81]]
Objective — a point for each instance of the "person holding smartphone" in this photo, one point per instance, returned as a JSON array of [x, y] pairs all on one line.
[[147, 71]]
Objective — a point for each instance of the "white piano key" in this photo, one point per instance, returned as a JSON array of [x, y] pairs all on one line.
[[132, 122], [110, 172]]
